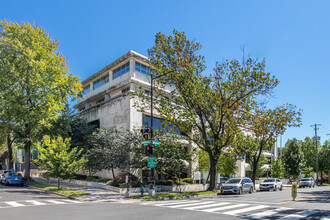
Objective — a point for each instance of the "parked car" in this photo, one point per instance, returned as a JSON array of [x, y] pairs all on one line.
[[237, 185], [306, 182], [12, 178], [271, 184], [2, 174]]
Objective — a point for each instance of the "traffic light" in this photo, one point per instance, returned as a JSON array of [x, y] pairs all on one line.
[[148, 150], [146, 133]]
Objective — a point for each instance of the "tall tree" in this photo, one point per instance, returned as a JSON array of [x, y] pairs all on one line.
[[292, 158], [309, 155], [209, 109], [324, 159], [266, 125], [34, 83]]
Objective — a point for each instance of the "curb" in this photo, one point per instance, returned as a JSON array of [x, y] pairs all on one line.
[[180, 197], [52, 192]]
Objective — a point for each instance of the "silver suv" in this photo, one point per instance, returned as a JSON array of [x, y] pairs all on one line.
[[271, 184], [237, 185], [306, 182]]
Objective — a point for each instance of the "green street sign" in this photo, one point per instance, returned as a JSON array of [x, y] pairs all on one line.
[[145, 142], [155, 143], [151, 161]]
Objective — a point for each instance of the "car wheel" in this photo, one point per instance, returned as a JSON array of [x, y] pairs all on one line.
[[281, 188], [275, 189], [22, 184], [313, 186], [239, 191], [251, 190], [6, 183]]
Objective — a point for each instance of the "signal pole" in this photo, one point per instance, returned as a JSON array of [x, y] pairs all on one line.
[[317, 162]]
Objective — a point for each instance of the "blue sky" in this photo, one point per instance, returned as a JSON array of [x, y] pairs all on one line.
[[293, 37]]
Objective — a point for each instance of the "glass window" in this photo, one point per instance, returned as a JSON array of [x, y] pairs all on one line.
[[142, 68], [157, 125], [121, 70], [100, 82], [86, 90]]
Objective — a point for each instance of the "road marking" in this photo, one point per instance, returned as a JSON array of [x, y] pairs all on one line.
[[174, 203], [56, 201], [189, 204], [72, 201], [326, 218], [268, 213], [207, 206], [15, 204], [299, 215], [235, 212], [224, 208], [305, 198], [34, 202]]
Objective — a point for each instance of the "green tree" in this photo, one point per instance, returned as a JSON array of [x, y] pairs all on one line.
[[34, 83], [277, 169], [309, 154], [58, 160], [205, 108], [292, 158], [110, 149], [266, 125], [324, 159]]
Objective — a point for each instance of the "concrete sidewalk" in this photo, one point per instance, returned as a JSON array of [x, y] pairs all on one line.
[[94, 193]]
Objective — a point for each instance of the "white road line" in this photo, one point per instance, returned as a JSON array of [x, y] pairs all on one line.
[[326, 218], [15, 204], [268, 213], [189, 204], [207, 206], [174, 203], [34, 202], [299, 215], [235, 212], [224, 208], [72, 201], [56, 201]]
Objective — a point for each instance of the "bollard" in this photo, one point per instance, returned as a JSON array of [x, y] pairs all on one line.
[[294, 191]]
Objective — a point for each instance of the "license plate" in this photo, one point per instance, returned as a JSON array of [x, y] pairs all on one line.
[[16, 178]]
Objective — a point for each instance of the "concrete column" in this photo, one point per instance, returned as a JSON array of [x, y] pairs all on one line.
[[132, 68]]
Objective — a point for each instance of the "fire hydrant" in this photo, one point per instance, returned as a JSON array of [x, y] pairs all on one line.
[[142, 191]]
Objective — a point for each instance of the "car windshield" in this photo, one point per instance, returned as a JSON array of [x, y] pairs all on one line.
[[14, 174], [269, 180], [305, 180], [234, 181]]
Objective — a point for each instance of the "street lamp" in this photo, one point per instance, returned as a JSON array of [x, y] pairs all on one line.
[[152, 122]]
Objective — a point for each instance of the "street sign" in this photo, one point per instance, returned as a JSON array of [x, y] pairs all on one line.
[[145, 142], [151, 161], [197, 175]]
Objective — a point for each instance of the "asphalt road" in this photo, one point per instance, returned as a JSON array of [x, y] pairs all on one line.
[[17, 203]]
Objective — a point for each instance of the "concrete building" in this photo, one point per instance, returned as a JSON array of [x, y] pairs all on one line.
[[105, 101]]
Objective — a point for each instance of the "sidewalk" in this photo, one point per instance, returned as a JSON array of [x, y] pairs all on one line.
[[94, 193]]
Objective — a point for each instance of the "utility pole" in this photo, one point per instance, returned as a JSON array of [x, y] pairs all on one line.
[[317, 160]]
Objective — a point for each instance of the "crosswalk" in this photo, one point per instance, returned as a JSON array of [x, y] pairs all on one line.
[[244, 210], [23, 203]]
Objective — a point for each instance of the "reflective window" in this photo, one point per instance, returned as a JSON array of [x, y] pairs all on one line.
[[86, 90], [157, 125], [121, 70], [101, 81], [142, 68]]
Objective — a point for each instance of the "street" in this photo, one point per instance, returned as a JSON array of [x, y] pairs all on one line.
[[19, 203]]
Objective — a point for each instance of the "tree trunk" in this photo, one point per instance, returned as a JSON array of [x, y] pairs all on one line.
[[212, 173], [113, 174], [27, 149], [58, 183], [10, 151], [254, 173]]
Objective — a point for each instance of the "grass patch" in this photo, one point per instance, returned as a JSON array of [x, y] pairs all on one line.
[[62, 190], [172, 195]]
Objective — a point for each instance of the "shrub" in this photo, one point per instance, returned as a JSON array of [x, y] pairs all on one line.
[[110, 182], [134, 181], [188, 180], [165, 182]]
